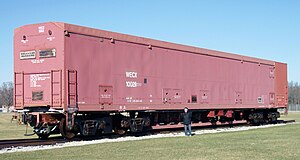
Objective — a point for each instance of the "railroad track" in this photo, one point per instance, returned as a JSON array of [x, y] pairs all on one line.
[[18, 143], [31, 142], [288, 121]]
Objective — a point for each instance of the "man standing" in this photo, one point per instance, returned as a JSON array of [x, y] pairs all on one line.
[[187, 116]]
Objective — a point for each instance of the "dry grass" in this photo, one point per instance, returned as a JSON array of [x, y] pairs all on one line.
[[291, 116], [11, 130]]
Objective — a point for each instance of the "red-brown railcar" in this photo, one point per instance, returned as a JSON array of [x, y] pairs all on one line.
[[72, 79]]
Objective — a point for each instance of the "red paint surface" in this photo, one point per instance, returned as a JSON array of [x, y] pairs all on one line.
[[107, 73]]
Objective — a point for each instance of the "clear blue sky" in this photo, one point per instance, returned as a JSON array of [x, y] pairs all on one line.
[[268, 29]]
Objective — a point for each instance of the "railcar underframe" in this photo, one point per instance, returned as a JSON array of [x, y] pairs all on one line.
[[97, 123]]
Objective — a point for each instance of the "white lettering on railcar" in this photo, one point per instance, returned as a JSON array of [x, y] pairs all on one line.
[[133, 100], [51, 38], [105, 96], [137, 101], [132, 84], [41, 29], [35, 78], [177, 96], [24, 41], [131, 74], [35, 61]]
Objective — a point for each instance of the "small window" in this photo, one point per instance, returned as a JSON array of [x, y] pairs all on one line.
[[194, 99], [47, 53], [145, 81]]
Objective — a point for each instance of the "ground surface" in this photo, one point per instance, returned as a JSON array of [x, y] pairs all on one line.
[[10, 129], [281, 142]]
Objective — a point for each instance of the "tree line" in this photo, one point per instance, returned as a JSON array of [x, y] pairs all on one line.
[[6, 94], [294, 93], [7, 89]]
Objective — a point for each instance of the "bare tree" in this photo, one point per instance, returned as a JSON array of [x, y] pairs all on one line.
[[6, 94], [294, 93]]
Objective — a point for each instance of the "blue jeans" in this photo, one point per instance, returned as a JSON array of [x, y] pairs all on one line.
[[187, 129]]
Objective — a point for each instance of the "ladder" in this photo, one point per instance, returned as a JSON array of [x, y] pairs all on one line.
[[19, 90], [72, 90], [56, 88]]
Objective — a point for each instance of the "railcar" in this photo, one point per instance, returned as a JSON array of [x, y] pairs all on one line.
[[71, 79]]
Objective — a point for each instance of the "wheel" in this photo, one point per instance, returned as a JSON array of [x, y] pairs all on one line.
[[63, 130], [120, 131]]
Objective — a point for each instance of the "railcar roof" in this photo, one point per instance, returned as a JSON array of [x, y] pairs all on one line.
[[155, 43]]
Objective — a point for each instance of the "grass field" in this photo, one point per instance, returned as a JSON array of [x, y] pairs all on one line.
[[11, 130], [269, 143], [291, 116]]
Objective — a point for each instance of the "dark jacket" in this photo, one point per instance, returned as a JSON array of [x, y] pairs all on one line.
[[187, 117]]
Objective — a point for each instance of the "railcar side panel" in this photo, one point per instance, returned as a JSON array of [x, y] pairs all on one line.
[[140, 78]]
